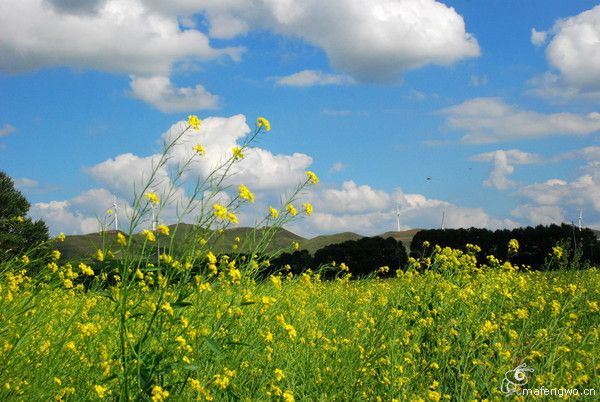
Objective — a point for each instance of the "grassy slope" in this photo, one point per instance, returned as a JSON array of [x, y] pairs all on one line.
[[81, 246]]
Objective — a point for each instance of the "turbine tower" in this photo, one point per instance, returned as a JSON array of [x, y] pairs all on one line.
[[443, 218], [398, 217], [580, 219], [116, 214]]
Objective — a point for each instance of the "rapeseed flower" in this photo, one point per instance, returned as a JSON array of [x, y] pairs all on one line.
[[220, 211], [163, 229], [273, 212], [194, 121], [312, 177], [513, 245], [262, 122], [61, 237], [245, 193], [121, 239], [308, 208], [99, 255], [152, 197], [149, 235], [291, 210], [237, 153], [199, 149]]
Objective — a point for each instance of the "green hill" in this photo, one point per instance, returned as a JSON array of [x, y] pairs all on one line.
[[83, 246]]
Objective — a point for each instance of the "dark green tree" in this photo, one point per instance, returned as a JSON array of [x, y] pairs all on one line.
[[18, 233]]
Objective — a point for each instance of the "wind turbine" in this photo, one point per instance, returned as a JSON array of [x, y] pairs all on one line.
[[116, 214], [580, 219], [398, 217], [443, 218]]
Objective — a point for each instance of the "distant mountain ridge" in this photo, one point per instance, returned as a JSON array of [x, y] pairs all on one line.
[[84, 246]]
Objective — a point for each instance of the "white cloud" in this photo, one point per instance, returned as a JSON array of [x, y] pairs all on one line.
[[337, 167], [260, 169], [488, 120], [122, 36], [503, 165], [538, 37], [309, 78], [368, 211], [25, 183], [575, 48], [574, 51], [557, 200], [478, 80], [163, 95], [372, 41], [352, 198], [79, 215], [539, 214], [6, 130], [588, 153]]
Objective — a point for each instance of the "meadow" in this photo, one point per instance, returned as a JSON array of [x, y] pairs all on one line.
[[188, 325]]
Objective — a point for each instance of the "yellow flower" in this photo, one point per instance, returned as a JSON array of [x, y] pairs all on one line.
[[245, 193], [279, 375], [109, 211], [85, 269], [220, 211], [232, 217], [20, 219], [262, 122], [121, 239], [61, 237], [55, 255], [199, 149], [274, 213], [288, 396], [291, 210], [149, 235], [237, 153], [159, 394], [99, 255], [312, 177], [25, 260], [295, 245], [194, 121], [101, 391], [68, 284], [513, 245], [152, 197], [162, 229], [308, 208], [557, 252]]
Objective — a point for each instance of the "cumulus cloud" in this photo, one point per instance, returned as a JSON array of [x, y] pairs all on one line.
[[558, 200], [309, 78], [365, 210], [372, 41], [488, 120], [120, 36], [539, 214], [163, 95], [574, 52], [503, 165], [79, 215], [6, 130], [260, 168], [538, 37]]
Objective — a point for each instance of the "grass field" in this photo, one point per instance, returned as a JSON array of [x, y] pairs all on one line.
[[449, 332]]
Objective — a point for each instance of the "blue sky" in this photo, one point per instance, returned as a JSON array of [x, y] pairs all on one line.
[[496, 102]]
